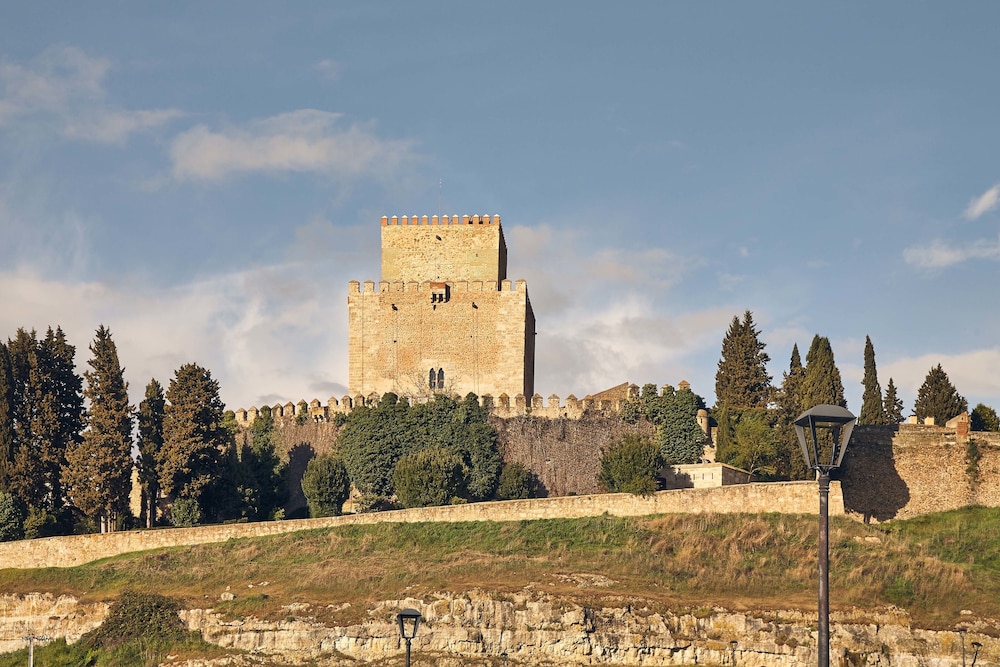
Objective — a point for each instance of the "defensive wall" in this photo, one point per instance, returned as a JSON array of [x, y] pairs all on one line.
[[786, 497]]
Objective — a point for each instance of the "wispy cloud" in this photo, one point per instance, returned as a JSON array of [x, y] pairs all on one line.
[[306, 140], [984, 203], [329, 69], [64, 86], [938, 254]]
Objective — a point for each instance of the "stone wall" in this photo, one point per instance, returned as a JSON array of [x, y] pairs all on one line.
[[72, 550], [471, 247], [907, 470]]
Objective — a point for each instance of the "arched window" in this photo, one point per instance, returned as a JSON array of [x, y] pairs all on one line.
[[432, 379], [440, 378]]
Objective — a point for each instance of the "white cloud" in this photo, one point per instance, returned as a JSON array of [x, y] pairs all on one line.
[[984, 203], [974, 374], [65, 86], [306, 140], [330, 69], [938, 254]]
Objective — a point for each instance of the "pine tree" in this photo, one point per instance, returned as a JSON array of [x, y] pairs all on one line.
[[150, 424], [24, 479], [893, 405], [98, 471], [741, 380], [680, 438], [938, 398], [872, 406], [193, 436], [821, 384]]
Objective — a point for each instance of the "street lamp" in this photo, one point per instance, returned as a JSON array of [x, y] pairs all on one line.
[[408, 621], [732, 652], [977, 646], [824, 454], [31, 639]]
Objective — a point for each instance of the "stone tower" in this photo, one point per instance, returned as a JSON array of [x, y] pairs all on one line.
[[444, 318]]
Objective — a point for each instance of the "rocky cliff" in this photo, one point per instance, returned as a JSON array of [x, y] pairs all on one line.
[[532, 628]]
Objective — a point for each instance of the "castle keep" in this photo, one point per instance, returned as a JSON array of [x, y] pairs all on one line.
[[444, 317]]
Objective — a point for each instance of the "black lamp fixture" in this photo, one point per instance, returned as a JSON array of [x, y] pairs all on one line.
[[824, 454], [977, 646], [408, 621]]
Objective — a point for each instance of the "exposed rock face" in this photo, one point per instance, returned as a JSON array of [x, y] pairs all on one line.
[[536, 629]]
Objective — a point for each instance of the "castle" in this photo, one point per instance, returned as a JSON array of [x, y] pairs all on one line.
[[444, 318]]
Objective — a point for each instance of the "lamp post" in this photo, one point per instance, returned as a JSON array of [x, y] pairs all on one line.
[[732, 652], [408, 621], [962, 632], [31, 646], [823, 457], [977, 646]]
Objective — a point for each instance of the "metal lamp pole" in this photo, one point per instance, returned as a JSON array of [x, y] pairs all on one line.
[[839, 422], [31, 646], [408, 621]]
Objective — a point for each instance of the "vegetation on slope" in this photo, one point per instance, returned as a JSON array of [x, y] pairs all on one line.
[[933, 566]]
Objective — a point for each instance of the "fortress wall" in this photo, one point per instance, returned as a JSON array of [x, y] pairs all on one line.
[[788, 497], [907, 470]]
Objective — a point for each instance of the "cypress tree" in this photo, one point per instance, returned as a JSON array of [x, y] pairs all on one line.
[[58, 424], [893, 405], [742, 380], [872, 406], [984, 418], [98, 470], [788, 458], [150, 424], [24, 479], [821, 383], [193, 435], [6, 417], [938, 398]]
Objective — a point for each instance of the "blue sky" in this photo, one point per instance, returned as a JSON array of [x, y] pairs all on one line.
[[204, 179]]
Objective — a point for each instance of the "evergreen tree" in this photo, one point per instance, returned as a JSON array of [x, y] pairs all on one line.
[[872, 406], [326, 486], [428, 477], [193, 435], [938, 398], [821, 384], [262, 473], [755, 447], [631, 465], [893, 406], [984, 418], [742, 380], [98, 471], [680, 438], [6, 417], [24, 479], [788, 462], [150, 425]]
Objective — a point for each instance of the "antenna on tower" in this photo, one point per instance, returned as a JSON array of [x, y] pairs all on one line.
[[440, 186]]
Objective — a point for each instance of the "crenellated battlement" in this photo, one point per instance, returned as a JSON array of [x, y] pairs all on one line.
[[442, 220], [387, 287], [503, 406]]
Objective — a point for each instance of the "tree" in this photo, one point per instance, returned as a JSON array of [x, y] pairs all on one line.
[[150, 425], [326, 486], [742, 380], [98, 472], [938, 398], [193, 436], [6, 417], [984, 418], [372, 442], [66, 390], [872, 405], [821, 384], [428, 477], [893, 404], [515, 482], [261, 477], [11, 518], [788, 462], [755, 447], [680, 438], [631, 465]]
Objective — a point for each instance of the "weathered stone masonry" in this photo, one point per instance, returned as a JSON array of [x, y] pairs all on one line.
[[444, 317]]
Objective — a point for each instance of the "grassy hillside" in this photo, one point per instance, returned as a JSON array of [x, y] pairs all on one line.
[[934, 566]]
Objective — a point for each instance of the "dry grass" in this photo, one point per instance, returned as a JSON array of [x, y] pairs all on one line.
[[677, 561]]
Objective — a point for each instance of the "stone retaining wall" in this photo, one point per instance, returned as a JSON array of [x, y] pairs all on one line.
[[785, 497]]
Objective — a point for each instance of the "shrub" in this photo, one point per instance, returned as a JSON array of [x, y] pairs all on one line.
[[185, 512], [630, 465], [515, 482], [326, 486], [39, 523], [134, 615], [429, 477]]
